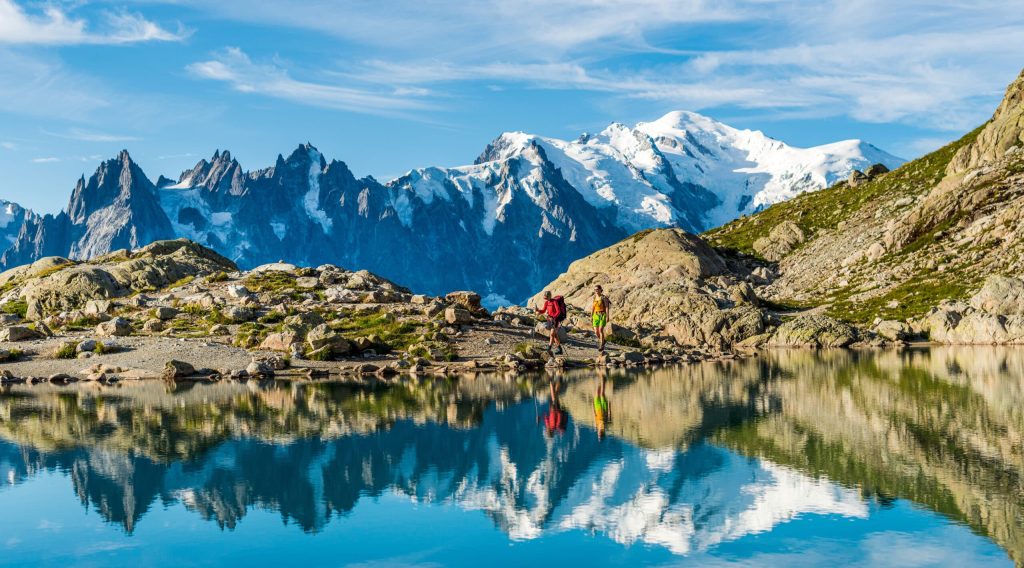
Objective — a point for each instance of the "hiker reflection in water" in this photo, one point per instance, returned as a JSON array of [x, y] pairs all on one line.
[[602, 410], [556, 417]]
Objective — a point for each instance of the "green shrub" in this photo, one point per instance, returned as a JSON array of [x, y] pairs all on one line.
[[67, 350], [18, 307], [220, 276], [11, 355]]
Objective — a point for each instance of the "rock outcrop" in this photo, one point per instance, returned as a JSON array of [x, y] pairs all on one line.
[[899, 244], [813, 330], [1004, 132], [666, 282], [64, 285]]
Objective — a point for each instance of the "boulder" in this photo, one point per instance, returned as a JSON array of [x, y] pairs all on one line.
[[116, 327], [153, 326], [857, 178], [457, 316], [164, 313], [238, 291], [323, 336], [876, 170], [466, 299], [87, 345], [781, 240], [175, 369], [18, 333], [341, 295], [419, 299], [97, 307], [238, 314], [893, 330], [813, 330], [282, 341], [1000, 295], [275, 267], [303, 321]]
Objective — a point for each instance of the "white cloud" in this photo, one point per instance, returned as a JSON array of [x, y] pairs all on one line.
[[46, 160], [55, 27], [8, 146], [934, 65], [234, 67], [89, 136]]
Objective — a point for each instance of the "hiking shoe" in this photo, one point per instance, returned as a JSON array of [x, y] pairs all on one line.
[[558, 350]]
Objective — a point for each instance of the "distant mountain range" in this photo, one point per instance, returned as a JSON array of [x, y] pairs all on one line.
[[504, 226]]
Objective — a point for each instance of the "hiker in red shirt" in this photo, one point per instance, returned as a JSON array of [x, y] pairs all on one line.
[[554, 309]]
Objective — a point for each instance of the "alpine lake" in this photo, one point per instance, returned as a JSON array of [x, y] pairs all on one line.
[[793, 458]]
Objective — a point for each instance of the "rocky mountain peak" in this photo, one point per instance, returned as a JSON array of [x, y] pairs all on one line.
[[1003, 132]]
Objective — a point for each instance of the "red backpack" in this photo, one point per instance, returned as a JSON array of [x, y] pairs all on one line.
[[560, 312]]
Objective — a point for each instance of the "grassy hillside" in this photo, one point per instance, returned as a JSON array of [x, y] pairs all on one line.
[[825, 209]]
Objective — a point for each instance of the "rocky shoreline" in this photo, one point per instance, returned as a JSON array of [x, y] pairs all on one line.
[[177, 310]]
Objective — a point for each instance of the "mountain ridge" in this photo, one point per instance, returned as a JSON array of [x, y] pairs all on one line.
[[514, 218]]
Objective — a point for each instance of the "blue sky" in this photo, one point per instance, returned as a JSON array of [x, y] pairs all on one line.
[[391, 85]]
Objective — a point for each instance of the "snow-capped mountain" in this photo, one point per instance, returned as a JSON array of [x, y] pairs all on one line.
[[12, 217], [504, 225]]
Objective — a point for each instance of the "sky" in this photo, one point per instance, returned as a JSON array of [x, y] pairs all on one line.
[[387, 86]]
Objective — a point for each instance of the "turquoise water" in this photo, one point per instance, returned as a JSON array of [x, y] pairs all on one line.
[[792, 459]]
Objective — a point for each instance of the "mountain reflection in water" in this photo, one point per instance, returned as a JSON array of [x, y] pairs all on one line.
[[687, 458]]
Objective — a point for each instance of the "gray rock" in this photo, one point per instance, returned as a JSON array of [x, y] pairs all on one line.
[[238, 291], [1000, 295], [86, 345], [457, 316], [176, 369], [781, 240], [117, 327], [164, 313], [18, 333], [813, 330], [96, 307]]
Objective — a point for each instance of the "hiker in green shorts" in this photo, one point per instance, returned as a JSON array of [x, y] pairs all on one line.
[[599, 314]]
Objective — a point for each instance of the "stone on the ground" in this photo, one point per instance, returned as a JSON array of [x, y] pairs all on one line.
[[97, 307], [164, 312], [457, 316], [18, 333], [86, 345], [323, 336], [153, 326], [175, 368], [116, 327], [238, 291], [419, 299], [281, 341], [892, 330], [464, 298]]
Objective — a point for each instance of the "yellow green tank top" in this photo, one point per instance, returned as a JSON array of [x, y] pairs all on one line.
[[599, 305]]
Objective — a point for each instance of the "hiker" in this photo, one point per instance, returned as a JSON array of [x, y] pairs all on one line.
[[554, 309], [599, 315]]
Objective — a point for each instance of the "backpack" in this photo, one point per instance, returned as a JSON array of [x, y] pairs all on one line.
[[560, 305]]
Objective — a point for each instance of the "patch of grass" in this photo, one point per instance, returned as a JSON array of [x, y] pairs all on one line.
[[82, 323], [273, 317], [395, 333], [251, 334], [17, 307], [914, 298], [270, 281], [220, 276], [100, 348], [181, 282], [53, 270]]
